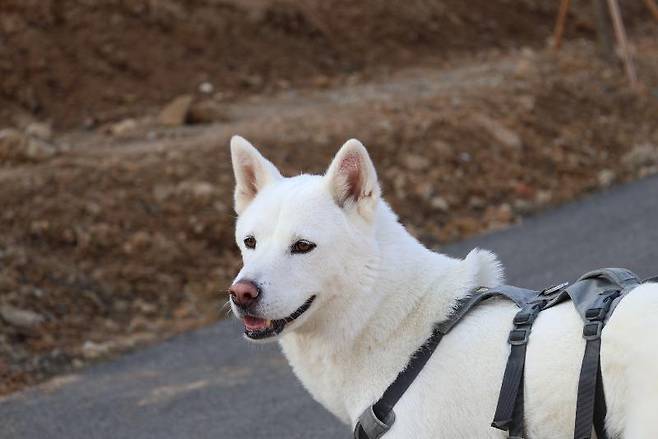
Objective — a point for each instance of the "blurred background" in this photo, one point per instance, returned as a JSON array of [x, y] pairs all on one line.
[[116, 221]]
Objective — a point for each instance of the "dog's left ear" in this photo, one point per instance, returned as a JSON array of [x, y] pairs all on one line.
[[252, 172], [352, 179]]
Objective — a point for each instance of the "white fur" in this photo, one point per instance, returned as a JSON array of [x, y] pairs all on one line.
[[379, 291]]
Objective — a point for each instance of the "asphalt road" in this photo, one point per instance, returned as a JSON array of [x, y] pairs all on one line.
[[212, 384]]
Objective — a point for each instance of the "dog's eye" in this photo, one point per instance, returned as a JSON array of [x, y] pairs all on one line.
[[302, 246], [250, 242]]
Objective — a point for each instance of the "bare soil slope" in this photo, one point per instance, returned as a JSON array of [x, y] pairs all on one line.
[[77, 62]]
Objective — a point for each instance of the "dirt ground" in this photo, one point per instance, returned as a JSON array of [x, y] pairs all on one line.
[[79, 63], [117, 231]]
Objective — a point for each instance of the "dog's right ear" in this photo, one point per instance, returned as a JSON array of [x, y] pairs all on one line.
[[252, 172], [352, 179]]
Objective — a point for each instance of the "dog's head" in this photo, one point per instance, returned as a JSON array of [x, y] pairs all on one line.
[[306, 241]]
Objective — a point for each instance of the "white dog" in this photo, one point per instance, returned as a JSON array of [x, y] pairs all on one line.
[[350, 295]]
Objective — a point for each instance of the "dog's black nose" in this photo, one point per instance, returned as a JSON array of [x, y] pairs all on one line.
[[244, 293]]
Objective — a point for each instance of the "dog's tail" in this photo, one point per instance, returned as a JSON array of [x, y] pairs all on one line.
[[489, 271]]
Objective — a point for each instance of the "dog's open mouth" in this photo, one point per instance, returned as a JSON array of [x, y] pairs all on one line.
[[257, 328]]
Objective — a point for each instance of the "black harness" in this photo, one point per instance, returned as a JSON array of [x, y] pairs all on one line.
[[595, 296]]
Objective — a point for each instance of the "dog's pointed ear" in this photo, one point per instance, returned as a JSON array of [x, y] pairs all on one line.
[[352, 178], [252, 172]]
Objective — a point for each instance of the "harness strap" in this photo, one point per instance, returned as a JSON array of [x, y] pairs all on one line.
[[590, 405], [376, 420], [407, 376], [509, 412]]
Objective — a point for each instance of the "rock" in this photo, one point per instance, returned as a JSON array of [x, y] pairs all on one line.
[[38, 150], [645, 154], [252, 81], [416, 162], [175, 112], [497, 217], [499, 132], [606, 177], [123, 127], [543, 197], [523, 206], [206, 88], [439, 203], [424, 189], [206, 112], [198, 189], [139, 241], [442, 147], [17, 147], [524, 190], [321, 81], [40, 130], [92, 350], [12, 143], [21, 318], [527, 102], [476, 202], [524, 68]]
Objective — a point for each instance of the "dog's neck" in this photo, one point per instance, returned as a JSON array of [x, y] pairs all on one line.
[[409, 288]]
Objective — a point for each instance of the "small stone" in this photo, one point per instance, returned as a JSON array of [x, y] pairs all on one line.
[[439, 203], [206, 88], [21, 318], [527, 102], [198, 189], [523, 68], [543, 197], [321, 81], [606, 177], [527, 52], [12, 143], [253, 81], [93, 208], [476, 202], [497, 217], [123, 127], [39, 150], [424, 189], [524, 190], [92, 350], [498, 131], [89, 123], [645, 154], [442, 147], [416, 162], [207, 111], [175, 112], [39, 130], [522, 206]]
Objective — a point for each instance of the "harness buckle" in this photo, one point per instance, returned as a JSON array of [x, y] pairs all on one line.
[[524, 317], [369, 426], [519, 336], [528, 314], [554, 289], [592, 330], [596, 314]]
